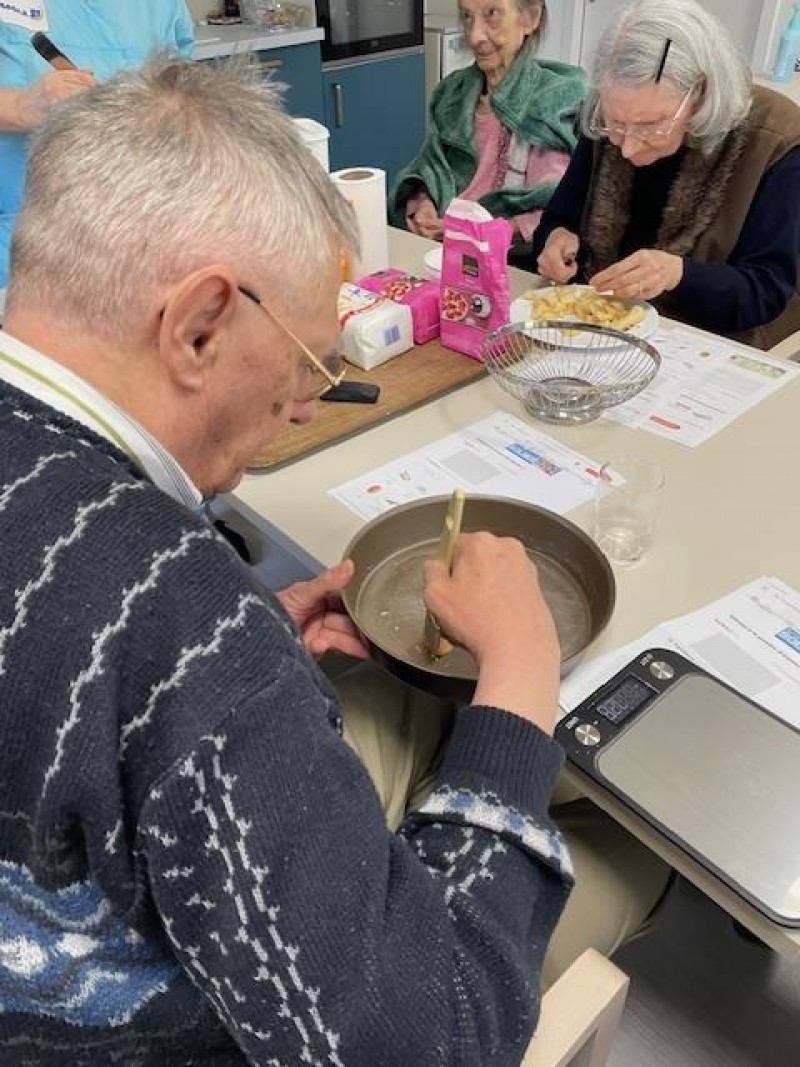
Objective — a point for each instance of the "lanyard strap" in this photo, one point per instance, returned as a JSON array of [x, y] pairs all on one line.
[[66, 394]]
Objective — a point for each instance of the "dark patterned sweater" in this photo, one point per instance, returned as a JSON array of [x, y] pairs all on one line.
[[194, 867]]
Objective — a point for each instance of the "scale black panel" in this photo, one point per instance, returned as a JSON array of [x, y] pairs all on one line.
[[714, 771]]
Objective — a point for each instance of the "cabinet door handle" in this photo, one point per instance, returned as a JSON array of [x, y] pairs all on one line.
[[338, 105], [269, 66]]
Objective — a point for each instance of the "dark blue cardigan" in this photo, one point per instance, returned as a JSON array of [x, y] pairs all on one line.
[[760, 275], [194, 867]]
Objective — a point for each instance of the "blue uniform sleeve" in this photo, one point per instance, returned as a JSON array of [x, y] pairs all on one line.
[[761, 274], [104, 37], [184, 32]]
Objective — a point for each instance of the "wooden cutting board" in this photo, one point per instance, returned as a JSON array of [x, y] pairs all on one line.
[[422, 374]]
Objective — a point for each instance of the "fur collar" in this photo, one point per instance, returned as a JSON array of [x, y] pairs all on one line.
[[695, 199]]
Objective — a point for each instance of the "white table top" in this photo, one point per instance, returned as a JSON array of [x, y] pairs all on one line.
[[730, 514]]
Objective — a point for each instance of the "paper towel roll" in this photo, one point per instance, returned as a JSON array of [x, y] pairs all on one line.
[[365, 188]]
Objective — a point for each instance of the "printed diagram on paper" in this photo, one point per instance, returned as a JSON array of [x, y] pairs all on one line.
[[497, 456], [750, 639], [703, 384]]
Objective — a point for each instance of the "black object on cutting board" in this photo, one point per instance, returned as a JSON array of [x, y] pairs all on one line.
[[353, 393]]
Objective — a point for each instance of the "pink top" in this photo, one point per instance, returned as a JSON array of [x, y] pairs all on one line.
[[492, 140]]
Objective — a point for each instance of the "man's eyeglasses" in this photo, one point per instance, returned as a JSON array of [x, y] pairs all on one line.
[[320, 374], [651, 133]]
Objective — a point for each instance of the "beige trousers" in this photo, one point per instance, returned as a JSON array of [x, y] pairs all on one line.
[[397, 732]]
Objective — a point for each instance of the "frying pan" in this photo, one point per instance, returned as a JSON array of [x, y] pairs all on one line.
[[384, 597]]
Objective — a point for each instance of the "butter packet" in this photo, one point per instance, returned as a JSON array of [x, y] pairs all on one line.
[[374, 329], [421, 295]]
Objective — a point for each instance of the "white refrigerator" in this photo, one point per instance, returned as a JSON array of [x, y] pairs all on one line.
[[446, 49]]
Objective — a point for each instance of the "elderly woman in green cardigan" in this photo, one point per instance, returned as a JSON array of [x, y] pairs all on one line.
[[501, 131]]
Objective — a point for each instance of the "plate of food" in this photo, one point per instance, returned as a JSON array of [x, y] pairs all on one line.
[[581, 303], [433, 262]]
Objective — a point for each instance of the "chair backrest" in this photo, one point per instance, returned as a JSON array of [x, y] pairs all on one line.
[[580, 1015], [788, 348]]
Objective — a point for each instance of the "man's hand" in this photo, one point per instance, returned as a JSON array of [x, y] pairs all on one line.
[[316, 609], [491, 604], [558, 261], [425, 222], [27, 107], [644, 275]]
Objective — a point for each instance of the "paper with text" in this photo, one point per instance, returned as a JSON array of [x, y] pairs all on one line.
[[498, 456], [703, 384], [750, 639]]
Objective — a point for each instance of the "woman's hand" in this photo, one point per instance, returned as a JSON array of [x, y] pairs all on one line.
[[425, 222], [644, 275], [491, 604], [316, 609], [35, 101], [559, 258]]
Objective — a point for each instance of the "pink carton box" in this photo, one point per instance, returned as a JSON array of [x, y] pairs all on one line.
[[475, 292], [421, 295]]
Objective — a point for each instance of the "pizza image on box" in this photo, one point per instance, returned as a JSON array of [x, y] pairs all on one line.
[[455, 304], [397, 288]]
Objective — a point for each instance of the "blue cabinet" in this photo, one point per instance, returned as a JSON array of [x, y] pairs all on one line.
[[298, 67], [375, 111]]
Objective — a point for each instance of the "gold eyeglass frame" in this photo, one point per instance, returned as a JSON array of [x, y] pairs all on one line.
[[331, 378]]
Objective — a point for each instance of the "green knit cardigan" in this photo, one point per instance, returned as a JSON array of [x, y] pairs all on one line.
[[537, 100]]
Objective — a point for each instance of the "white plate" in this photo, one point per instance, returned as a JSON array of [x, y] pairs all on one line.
[[522, 309], [433, 262]]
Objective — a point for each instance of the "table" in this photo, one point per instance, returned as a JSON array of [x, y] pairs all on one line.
[[730, 515]]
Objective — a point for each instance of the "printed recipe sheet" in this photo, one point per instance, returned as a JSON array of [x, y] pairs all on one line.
[[702, 385], [498, 456]]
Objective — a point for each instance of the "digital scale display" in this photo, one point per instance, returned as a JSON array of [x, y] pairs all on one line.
[[728, 795], [623, 701]]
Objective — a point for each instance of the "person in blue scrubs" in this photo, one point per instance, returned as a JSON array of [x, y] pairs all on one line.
[[100, 37]]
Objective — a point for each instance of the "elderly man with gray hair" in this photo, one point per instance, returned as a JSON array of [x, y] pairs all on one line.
[[684, 189], [194, 865]]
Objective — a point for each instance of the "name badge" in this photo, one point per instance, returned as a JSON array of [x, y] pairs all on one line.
[[30, 17]]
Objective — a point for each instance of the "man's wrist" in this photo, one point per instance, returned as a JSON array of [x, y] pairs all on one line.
[[521, 687], [17, 116]]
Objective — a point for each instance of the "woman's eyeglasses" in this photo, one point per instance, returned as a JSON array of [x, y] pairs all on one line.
[[650, 133], [321, 374]]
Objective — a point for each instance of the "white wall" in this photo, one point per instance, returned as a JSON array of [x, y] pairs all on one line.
[[742, 18], [773, 19], [447, 8]]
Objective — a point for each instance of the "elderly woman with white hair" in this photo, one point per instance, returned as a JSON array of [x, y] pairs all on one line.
[[685, 189], [501, 131]]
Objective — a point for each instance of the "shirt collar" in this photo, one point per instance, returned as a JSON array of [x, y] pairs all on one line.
[[53, 384]]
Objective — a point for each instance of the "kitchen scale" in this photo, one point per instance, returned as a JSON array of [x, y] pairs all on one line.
[[712, 770]]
